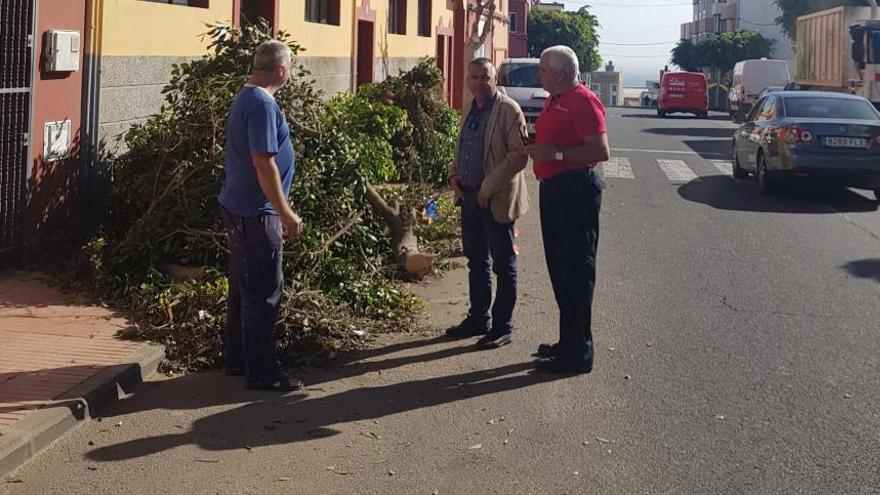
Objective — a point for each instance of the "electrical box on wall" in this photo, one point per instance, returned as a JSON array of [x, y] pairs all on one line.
[[56, 140], [62, 51]]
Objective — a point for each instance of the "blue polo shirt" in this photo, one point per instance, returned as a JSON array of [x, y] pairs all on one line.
[[256, 125]]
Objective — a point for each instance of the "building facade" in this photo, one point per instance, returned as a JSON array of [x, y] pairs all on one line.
[[110, 60], [608, 85], [518, 20], [550, 5], [719, 16]]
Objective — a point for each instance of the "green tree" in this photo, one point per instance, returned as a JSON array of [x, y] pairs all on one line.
[[792, 9], [576, 30], [724, 50], [685, 55], [721, 51]]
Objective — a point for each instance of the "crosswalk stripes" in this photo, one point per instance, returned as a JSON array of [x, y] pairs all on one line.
[[725, 166], [618, 167], [677, 170]]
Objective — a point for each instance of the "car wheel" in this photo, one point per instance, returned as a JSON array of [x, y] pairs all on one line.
[[766, 185], [738, 171]]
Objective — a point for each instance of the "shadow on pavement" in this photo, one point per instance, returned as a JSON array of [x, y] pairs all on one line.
[[867, 268], [32, 389], [715, 149], [718, 117], [723, 193], [266, 419], [707, 132]]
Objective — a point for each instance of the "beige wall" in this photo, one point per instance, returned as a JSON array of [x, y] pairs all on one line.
[[139, 41], [606, 84]]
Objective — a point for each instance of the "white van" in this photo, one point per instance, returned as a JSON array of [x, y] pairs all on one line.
[[518, 79], [750, 77]]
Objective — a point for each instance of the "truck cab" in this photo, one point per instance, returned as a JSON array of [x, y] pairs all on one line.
[[865, 53]]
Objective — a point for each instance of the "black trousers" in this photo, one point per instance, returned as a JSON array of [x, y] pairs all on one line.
[[255, 289], [484, 239], [570, 204]]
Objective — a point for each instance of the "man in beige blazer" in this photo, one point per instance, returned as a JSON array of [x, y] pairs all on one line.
[[487, 178]]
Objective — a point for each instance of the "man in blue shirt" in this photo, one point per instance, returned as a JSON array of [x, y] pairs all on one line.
[[259, 172]]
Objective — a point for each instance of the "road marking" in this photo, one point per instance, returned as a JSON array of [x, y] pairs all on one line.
[[667, 152], [677, 170], [620, 168], [725, 166]]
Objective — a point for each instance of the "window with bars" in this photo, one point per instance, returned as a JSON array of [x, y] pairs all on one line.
[[425, 17], [397, 16], [323, 11], [186, 3]]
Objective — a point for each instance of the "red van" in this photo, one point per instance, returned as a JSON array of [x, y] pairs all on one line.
[[683, 92]]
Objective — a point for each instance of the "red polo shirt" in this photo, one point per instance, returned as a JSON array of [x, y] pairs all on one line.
[[566, 120]]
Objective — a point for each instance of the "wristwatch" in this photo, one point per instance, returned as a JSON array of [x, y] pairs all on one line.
[[558, 156]]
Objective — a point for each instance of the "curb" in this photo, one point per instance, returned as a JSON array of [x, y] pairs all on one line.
[[26, 438]]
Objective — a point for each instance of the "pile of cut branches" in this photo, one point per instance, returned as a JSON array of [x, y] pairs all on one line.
[[366, 168]]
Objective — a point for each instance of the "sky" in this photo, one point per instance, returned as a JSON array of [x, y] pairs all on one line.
[[638, 22]]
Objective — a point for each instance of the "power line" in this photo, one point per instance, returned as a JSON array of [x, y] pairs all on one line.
[[756, 23], [661, 28], [607, 55], [640, 44], [640, 5]]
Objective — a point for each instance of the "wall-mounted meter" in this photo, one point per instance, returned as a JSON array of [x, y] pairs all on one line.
[[62, 51], [56, 140]]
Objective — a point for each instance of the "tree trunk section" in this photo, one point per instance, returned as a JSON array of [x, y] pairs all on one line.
[[403, 239]]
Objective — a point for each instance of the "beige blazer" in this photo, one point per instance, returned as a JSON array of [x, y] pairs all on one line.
[[505, 182]]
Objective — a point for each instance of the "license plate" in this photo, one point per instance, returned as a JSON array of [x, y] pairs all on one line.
[[845, 142], [530, 128], [673, 95]]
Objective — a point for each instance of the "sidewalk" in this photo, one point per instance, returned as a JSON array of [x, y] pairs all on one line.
[[59, 360]]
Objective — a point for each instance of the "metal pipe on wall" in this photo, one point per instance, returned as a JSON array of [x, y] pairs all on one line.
[[90, 127]]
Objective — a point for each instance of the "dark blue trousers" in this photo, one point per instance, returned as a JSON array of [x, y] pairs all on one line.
[[485, 239], [570, 204], [255, 288]]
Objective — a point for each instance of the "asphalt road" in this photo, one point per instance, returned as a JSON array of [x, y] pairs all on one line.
[[738, 352]]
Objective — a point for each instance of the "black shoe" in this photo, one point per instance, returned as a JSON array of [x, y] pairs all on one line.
[[546, 350], [233, 371], [467, 328], [282, 384], [556, 365], [494, 340]]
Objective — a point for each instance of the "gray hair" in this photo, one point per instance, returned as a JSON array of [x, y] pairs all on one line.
[[484, 63], [563, 59], [271, 54]]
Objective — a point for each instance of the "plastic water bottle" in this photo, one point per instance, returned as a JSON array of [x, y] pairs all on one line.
[[431, 210]]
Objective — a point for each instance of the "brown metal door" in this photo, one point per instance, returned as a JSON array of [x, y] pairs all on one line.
[[365, 54], [16, 47]]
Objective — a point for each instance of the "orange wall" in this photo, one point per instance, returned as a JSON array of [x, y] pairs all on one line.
[[57, 96]]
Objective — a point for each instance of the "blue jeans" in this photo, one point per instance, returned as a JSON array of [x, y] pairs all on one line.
[[255, 289], [570, 204], [484, 238]]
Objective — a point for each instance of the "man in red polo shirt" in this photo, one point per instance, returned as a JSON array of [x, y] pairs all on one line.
[[570, 141]]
